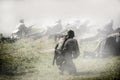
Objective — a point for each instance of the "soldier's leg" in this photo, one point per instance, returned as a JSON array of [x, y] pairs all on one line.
[[70, 67], [73, 68], [61, 69]]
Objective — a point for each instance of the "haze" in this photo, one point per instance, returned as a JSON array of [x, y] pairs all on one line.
[[46, 12]]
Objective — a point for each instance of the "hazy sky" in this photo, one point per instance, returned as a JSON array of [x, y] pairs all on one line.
[[45, 12]]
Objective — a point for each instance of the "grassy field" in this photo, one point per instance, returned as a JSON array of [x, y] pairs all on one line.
[[29, 59]]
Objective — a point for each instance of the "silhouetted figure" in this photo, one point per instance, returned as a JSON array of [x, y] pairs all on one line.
[[112, 45], [66, 52], [21, 30]]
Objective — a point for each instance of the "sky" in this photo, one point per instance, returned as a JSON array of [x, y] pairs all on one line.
[[46, 12]]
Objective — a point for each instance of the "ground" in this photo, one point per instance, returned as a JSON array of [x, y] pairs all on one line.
[[29, 59]]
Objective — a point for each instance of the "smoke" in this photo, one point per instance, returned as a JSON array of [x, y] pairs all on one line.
[[43, 12]]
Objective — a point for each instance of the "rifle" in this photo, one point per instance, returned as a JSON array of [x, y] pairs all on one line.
[[31, 26], [58, 53], [55, 54], [58, 57]]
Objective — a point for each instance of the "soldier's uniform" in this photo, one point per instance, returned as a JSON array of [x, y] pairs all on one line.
[[70, 52], [66, 52], [22, 29]]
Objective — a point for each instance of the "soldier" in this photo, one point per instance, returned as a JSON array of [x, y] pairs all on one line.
[[22, 29], [69, 51]]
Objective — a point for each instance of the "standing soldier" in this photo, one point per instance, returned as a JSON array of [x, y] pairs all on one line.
[[22, 29], [69, 51]]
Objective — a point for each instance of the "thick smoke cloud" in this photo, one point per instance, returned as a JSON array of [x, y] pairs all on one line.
[[46, 12]]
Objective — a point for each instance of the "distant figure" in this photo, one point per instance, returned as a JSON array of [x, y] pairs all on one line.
[[21, 30], [110, 46], [65, 52]]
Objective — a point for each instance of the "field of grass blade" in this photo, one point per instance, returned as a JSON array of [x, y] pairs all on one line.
[[29, 59]]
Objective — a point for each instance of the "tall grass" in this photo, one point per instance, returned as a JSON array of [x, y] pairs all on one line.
[[29, 59]]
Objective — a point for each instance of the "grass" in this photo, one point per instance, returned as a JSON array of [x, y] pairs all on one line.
[[29, 59]]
